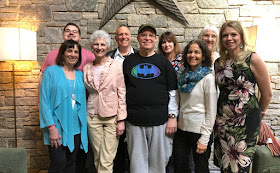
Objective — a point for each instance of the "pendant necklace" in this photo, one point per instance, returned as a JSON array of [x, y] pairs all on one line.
[[72, 87]]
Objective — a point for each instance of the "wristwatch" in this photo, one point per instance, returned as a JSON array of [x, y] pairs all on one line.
[[171, 116]]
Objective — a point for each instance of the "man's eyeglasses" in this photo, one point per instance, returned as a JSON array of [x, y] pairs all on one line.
[[73, 31], [147, 35]]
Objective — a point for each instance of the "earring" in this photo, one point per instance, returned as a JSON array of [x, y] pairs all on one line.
[[241, 46]]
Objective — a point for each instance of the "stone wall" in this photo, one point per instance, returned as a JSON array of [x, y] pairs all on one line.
[[48, 17]]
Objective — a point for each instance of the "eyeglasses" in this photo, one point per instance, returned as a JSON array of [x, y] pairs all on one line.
[[73, 31], [147, 35]]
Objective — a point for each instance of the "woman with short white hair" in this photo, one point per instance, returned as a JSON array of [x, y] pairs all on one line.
[[210, 34], [106, 105]]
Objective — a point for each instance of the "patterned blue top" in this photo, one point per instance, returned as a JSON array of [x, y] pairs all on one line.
[[176, 63]]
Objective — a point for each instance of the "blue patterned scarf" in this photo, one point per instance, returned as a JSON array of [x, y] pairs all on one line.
[[188, 79]]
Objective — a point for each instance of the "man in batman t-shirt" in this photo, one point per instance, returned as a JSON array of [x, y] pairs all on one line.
[[152, 110]]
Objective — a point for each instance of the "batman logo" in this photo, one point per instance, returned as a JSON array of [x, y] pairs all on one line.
[[145, 71]]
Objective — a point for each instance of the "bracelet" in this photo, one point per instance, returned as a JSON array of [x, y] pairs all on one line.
[[263, 113], [171, 116], [51, 126]]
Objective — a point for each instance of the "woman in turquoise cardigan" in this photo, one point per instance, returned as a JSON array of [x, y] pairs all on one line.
[[62, 109]]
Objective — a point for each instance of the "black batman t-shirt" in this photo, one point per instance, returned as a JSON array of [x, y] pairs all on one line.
[[148, 81]]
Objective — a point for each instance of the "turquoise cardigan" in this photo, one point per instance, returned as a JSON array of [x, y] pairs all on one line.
[[55, 106]]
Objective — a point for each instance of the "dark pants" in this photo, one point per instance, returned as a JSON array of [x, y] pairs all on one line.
[[62, 160], [184, 143], [121, 162]]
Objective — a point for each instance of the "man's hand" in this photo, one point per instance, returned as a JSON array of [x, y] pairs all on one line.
[[201, 148], [54, 137], [171, 126], [120, 127]]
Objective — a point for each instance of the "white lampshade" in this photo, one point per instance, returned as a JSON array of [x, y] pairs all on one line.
[[17, 44]]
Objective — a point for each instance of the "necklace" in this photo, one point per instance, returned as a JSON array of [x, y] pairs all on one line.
[[71, 86]]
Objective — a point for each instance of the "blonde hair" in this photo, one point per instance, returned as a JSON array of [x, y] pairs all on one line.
[[245, 51]]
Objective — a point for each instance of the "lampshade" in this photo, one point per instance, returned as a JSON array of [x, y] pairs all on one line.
[[17, 44]]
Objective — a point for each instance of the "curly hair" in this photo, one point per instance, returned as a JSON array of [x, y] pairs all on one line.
[[102, 35], [206, 54]]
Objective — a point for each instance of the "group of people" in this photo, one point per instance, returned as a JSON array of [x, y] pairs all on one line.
[[162, 104]]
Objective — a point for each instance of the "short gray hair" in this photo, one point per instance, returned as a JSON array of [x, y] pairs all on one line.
[[210, 27], [102, 35]]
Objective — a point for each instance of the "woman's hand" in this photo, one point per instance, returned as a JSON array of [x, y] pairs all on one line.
[[201, 148], [54, 137], [171, 126], [120, 127]]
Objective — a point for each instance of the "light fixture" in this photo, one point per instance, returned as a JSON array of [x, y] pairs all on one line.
[[17, 44]]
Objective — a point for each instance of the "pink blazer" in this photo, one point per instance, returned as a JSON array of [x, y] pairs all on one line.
[[109, 99]]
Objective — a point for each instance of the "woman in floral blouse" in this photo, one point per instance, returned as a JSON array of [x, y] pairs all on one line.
[[238, 112], [169, 47]]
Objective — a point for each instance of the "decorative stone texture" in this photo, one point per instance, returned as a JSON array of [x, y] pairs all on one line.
[[5, 66], [51, 2], [200, 20], [2, 104], [5, 80], [35, 12], [8, 9], [23, 66], [5, 87], [53, 35], [83, 32], [8, 16], [177, 31], [5, 74], [181, 39], [232, 14], [128, 9], [275, 97], [211, 11], [111, 26], [277, 86], [27, 86], [145, 11], [212, 3], [7, 133], [60, 8], [26, 144], [275, 79], [100, 9], [67, 16], [136, 20], [120, 17], [158, 20], [272, 68], [240, 2], [259, 10], [38, 1], [90, 15], [31, 133], [81, 5], [7, 113], [172, 23], [188, 7], [39, 161], [191, 34], [26, 79]]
